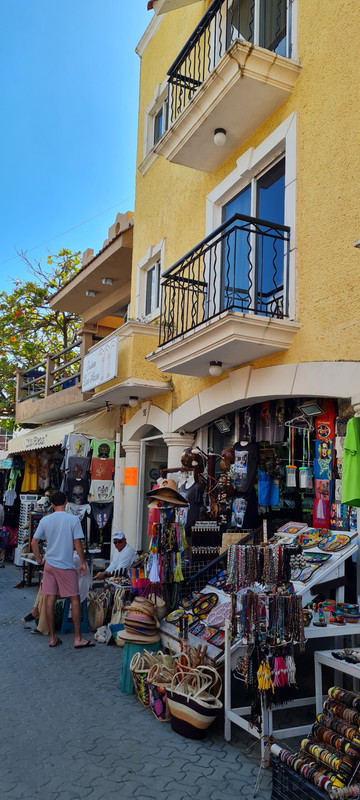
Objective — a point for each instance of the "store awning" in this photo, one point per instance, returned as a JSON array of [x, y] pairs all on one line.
[[101, 425]]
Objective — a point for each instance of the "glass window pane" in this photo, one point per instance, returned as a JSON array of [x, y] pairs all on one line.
[[273, 25], [236, 256], [158, 125], [270, 249], [240, 21]]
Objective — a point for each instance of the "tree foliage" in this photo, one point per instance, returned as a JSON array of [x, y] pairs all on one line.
[[29, 330]]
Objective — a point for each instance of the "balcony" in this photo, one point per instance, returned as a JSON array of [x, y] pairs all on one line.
[[234, 71], [117, 369], [52, 388], [227, 299]]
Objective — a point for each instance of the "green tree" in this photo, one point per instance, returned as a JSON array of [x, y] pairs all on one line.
[[29, 330]]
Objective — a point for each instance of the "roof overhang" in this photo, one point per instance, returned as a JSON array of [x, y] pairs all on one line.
[[100, 424], [132, 387]]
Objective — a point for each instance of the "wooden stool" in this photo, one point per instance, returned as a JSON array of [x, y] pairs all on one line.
[[67, 624]]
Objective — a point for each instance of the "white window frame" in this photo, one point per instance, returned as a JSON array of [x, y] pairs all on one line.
[[159, 100], [281, 142], [154, 254]]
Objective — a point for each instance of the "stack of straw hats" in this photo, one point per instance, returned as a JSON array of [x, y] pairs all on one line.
[[167, 494], [140, 622]]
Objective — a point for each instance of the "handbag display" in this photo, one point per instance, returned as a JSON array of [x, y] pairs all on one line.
[[97, 607], [193, 701]]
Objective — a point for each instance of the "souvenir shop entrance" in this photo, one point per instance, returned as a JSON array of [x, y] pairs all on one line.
[[153, 459]]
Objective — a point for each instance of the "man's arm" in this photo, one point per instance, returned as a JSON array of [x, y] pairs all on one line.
[[36, 550], [80, 551]]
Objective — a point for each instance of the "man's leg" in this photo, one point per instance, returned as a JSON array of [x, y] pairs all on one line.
[[76, 618], [49, 611]]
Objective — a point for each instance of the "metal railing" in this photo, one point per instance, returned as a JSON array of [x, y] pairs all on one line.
[[242, 266], [261, 22], [57, 372]]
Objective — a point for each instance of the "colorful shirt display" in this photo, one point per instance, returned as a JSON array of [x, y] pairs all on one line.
[[350, 490], [102, 491], [31, 475], [102, 469], [77, 491], [77, 467], [102, 448]]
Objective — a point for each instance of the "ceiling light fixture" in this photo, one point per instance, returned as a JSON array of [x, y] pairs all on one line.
[[215, 368], [107, 281], [90, 293], [220, 137], [133, 401]]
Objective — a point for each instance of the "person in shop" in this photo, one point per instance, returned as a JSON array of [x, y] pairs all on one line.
[[62, 533], [123, 557], [39, 611]]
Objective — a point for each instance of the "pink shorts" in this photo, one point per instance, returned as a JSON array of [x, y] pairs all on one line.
[[62, 582]]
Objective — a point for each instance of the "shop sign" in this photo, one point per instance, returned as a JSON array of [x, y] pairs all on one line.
[[100, 365], [131, 476]]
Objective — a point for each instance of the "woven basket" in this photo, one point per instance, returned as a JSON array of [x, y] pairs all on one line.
[[193, 701], [139, 674], [159, 679]]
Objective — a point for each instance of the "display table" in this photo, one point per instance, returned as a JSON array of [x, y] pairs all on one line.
[[237, 715], [324, 658]]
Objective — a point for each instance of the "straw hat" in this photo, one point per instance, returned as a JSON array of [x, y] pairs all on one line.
[[137, 637], [168, 494]]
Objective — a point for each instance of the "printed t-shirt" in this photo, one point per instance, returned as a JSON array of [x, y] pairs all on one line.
[[75, 445], [31, 475], [245, 466], [60, 530], [102, 514], [77, 491], [102, 448], [350, 488], [78, 511], [44, 470], [102, 469], [102, 491], [77, 467], [194, 495]]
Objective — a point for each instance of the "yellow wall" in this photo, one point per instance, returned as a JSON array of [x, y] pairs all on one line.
[[328, 145]]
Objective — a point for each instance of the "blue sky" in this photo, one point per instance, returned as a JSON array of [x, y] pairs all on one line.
[[69, 99]]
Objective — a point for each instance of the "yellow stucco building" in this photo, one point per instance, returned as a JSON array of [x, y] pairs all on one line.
[[245, 114]]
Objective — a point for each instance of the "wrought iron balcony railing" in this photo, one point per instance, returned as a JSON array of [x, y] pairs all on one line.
[[56, 372], [266, 23], [242, 266]]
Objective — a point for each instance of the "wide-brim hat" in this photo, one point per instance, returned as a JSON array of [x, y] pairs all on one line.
[[168, 494], [138, 638]]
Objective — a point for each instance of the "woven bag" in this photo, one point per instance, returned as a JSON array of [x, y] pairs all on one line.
[[97, 606], [193, 701], [117, 611], [140, 669], [159, 678]]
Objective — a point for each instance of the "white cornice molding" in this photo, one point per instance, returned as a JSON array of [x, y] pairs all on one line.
[[148, 35]]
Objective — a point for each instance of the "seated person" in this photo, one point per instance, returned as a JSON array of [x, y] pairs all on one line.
[[123, 557]]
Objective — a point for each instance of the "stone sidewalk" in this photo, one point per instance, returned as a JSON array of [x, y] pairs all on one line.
[[68, 732]]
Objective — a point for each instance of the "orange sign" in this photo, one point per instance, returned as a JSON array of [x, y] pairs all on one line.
[[131, 476]]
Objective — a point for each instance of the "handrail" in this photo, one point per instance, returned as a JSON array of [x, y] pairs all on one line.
[[243, 265], [224, 23]]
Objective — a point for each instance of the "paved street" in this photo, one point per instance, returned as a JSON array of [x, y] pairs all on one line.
[[68, 732]]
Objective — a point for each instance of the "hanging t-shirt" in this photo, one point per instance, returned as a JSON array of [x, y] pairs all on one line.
[[102, 448], [102, 513], [77, 491], [76, 445], [245, 466], [270, 421], [77, 467], [350, 489], [44, 470], [78, 511], [246, 424], [244, 512], [102, 491], [31, 475], [14, 475], [102, 469], [194, 495], [10, 497]]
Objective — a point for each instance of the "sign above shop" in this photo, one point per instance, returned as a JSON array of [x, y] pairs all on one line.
[[100, 365]]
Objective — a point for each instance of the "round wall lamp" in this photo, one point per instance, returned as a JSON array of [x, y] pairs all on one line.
[[220, 137], [133, 401], [215, 368]]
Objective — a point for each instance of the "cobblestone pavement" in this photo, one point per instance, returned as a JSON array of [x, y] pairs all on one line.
[[69, 733]]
